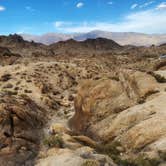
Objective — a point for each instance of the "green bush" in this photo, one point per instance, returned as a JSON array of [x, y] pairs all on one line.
[[90, 163], [160, 78], [109, 149], [140, 161], [143, 161], [54, 141], [162, 155], [112, 151], [10, 92]]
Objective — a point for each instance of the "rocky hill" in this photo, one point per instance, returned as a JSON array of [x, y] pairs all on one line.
[[99, 44], [81, 103], [16, 41], [7, 57]]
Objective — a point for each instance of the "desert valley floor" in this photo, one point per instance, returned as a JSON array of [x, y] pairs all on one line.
[[89, 103]]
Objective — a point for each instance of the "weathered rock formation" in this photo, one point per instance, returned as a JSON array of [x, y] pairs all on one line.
[[96, 100], [20, 118], [8, 58], [129, 110]]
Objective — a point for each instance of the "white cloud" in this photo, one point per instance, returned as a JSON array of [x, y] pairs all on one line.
[[146, 4], [2, 8], [161, 6], [80, 5], [134, 6], [29, 8], [110, 3], [59, 24], [143, 5], [148, 21]]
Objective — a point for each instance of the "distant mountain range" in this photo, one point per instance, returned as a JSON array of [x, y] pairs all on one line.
[[122, 38]]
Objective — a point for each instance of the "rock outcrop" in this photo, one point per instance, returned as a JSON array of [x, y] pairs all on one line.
[[21, 120], [107, 97], [129, 110], [7, 57], [81, 157]]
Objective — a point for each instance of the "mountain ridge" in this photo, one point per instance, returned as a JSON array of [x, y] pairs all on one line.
[[122, 38]]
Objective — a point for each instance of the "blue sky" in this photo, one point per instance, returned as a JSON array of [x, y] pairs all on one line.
[[71, 16]]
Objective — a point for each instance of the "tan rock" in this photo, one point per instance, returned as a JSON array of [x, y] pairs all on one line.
[[57, 128], [141, 127], [99, 99], [85, 140]]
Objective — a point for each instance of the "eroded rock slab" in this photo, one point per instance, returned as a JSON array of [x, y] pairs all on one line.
[[99, 99], [129, 110], [21, 120]]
